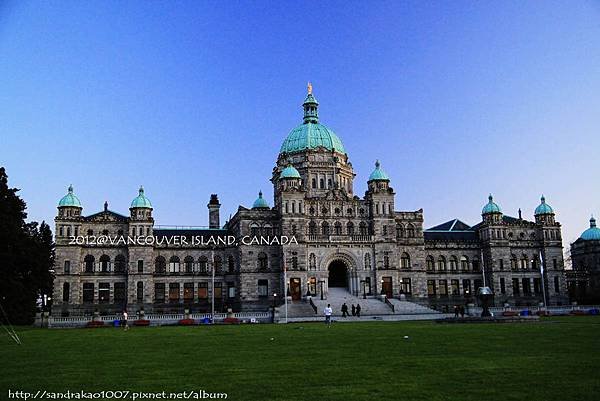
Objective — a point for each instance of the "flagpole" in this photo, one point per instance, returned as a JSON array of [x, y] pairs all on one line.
[[285, 287], [212, 304], [543, 280], [483, 267]]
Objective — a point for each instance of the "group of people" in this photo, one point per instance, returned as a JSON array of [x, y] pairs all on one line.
[[329, 311], [459, 310]]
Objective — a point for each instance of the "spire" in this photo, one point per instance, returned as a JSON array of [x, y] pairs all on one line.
[[490, 198], [141, 192], [543, 199], [71, 189], [592, 222], [310, 105]]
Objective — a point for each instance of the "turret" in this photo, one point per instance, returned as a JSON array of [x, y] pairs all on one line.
[[491, 212], [213, 212], [544, 213], [141, 207]]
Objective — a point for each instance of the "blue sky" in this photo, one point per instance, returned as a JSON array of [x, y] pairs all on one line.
[[457, 100]]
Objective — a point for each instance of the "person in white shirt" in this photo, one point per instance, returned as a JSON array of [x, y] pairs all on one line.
[[328, 311], [125, 322]]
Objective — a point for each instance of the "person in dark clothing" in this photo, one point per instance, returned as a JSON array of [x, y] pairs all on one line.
[[462, 311], [358, 310], [344, 310], [456, 310], [353, 310]]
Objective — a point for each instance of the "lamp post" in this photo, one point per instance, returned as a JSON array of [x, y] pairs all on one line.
[[212, 304], [274, 304], [321, 282], [362, 282]]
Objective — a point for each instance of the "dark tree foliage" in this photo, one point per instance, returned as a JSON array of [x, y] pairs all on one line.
[[26, 257]]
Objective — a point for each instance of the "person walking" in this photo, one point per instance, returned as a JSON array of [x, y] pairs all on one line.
[[125, 321], [328, 311], [357, 310], [462, 311], [456, 310], [353, 310], [344, 310]]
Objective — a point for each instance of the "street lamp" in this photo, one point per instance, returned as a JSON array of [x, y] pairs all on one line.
[[273, 309], [321, 282], [362, 282]]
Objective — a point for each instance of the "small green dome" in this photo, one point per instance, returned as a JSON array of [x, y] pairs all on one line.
[[310, 134], [592, 233], [69, 200], [260, 202], [141, 201], [378, 174], [543, 208], [491, 207], [290, 172]]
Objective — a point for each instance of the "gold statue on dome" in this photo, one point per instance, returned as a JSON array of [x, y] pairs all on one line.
[[309, 88]]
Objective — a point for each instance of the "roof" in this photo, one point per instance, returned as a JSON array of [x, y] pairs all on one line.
[[290, 172], [491, 207], [69, 200], [141, 201], [543, 208], [592, 233], [260, 202], [378, 174], [453, 230]]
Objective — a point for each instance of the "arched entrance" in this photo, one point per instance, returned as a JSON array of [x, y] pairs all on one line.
[[338, 274]]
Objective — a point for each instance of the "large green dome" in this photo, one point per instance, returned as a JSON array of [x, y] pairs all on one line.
[[260, 202], [141, 201], [69, 200], [592, 233], [491, 206], [311, 134], [378, 174], [543, 208]]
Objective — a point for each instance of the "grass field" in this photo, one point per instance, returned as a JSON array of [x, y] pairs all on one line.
[[555, 359]]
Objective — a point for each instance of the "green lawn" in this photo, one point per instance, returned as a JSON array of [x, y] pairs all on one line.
[[555, 359]]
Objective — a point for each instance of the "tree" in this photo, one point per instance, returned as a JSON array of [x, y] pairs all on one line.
[[26, 257]]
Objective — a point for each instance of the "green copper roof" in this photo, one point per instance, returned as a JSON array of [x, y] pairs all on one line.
[[69, 199], [310, 134], [491, 207], [378, 174], [260, 202], [141, 200], [543, 208], [290, 172], [592, 233]]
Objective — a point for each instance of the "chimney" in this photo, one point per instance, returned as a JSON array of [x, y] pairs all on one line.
[[213, 212]]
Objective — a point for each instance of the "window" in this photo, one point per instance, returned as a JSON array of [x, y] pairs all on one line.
[[263, 288], [475, 264], [67, 268], [453, 263], [405, 285], [467, 287], [202, 291], [314, 183], [386, 262], [88, 293], [430, 264], [556, 285], [513, 262], [526, 286], [89, 264], [554, 264], [159, 293], [367, 261], [515, 285], [431, 288], [502, 285], [140, 292], [501, 264], [312, 262], [140, 266], [384, 230], [337, 227], [312, 285], [218, 264], [405, 261], [218, 291], [160, 265], [188, 293], [410, 230], [455, 287], [104, 293], [294, 263], [321, 183], [254, 229], [442, 264], [524, 262], [120, 293], [263, 261], [173, 293], [230, 289], [325, 228], [312, 228], [188, 264], [104, 263], [464, 263], [329, 183], [120, 264], [203, 264], [66, 292], [399, 231], [537, 286], [443, 285], [174, 264]]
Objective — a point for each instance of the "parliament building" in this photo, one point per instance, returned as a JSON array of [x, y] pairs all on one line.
[[362, 244]]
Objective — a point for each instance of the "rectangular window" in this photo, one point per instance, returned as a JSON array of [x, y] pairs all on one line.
[[526, 286], [556, 285], [502, 285], [501, 264], [66, 290], [67, 267], [218, 291], [405, 285], [443, 284], [159, 293], [467, 287], [515, 282], [475, 265], [555, 263], [537, 286], [263, 288], [230, 289], [431, 288], [140, 292], [88, 293], [120, 293], [173, 293], [455, 287], [104, 293], [140, 266], [202, 291], [188, 292], [312, 285]]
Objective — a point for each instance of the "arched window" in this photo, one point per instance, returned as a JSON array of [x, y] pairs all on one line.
[[66, 292], [367, 261], [405, 261], [174, 264], [350, 228], [160, 265], [314, 183], [120, 264], [230, 264], [267, 229], [104, 263], [89, 263], [524, 262], [464, 263], [254, 229], [410, 230], [312, 262], [399, 230], [321, 183], [453, 263], [263, 261], [312, 228], [362, 227], [442, 264], [188, 263], [218, 263], [513, 262], [430, 263], [337, 227], [325, 228], [203, 264]]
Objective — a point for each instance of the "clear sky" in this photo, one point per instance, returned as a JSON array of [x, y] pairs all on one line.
[[457, 100]]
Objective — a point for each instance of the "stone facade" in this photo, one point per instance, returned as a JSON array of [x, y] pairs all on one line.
[[583, 279], [361, 243]]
